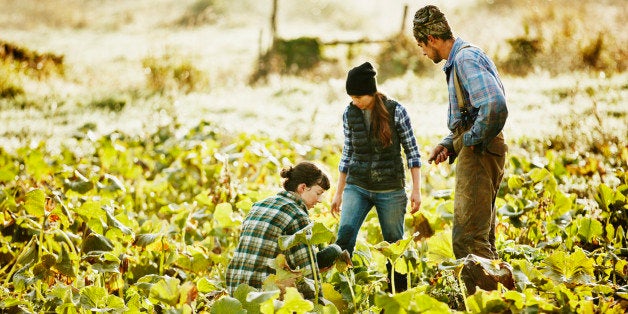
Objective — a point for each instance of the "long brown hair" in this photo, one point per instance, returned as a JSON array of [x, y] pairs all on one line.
[[380, 118]]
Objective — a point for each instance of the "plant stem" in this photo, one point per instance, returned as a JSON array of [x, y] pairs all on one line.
[[392, 275], [409, 276], [15, 264], [70, 244], [314, 272], [161, 258], [40, 297], [351, 288], [463, 288], [41, 237]]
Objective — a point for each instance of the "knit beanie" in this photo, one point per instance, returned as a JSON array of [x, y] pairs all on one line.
[[361, 80]]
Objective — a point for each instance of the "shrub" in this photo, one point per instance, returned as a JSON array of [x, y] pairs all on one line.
[[559, 37], [522, 57], [399, 55], [289, 56], [31, 62], [201, 12], [109, 103], [168, 73], [9, 85]]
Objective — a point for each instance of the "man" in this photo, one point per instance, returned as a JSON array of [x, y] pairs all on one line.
[[477, 114]]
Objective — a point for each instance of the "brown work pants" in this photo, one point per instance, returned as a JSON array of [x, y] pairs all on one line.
[[478, 175]]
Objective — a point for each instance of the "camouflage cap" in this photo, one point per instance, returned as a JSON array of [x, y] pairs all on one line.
[[429, 20]]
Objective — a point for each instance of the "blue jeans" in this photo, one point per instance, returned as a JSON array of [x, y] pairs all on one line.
[[356, 204]]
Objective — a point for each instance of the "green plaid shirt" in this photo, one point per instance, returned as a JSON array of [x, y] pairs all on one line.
[[282, 214]]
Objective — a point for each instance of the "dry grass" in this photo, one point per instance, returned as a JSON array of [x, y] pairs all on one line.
[[104, 43]]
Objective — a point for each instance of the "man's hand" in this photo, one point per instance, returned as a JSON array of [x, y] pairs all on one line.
[[439, 154]]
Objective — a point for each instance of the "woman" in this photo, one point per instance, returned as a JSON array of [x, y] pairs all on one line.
[[282, 214], [372, 172]]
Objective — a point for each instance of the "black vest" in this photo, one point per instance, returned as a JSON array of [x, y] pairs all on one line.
[[372, 166]]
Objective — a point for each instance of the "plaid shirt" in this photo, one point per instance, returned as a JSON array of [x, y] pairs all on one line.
[[483, 89], [282, 214], [404, 130]]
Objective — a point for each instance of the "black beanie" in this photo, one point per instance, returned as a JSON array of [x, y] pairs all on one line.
[[361, 80]]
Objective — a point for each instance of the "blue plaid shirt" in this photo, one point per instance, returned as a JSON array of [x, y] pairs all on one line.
[[482, 89], [406, 137]]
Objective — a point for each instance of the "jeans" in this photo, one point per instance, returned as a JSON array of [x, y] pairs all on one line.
[[356, 204]]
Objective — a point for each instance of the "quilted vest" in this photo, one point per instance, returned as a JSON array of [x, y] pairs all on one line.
[[372, 166]]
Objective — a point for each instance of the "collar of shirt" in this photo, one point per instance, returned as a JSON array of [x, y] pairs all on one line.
[[295, 197], [459, 43]]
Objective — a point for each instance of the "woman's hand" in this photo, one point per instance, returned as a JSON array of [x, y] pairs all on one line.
[[337, 201], [335, 204], [415, 196], [415, 201]]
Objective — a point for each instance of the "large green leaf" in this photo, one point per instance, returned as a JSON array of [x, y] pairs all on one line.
[[78, 184], [29, 253], [35, 202], [113, 222], [294, 303], [35, 163], [284, 275], [410, 301], [145, 239], [205, 285], [23, 278], [228, 305], [204, 199], [562, 204], [242, 294], [94, 298], [166, 290], [321, 234], [96, 242], [65, 262], [515, 182], [589, 228], [487, 302], [104, 262], [263, 299], [195, 260], [8, 174], [300, 237], [313, 234], [224, 217], [574, 268], [398, 303], [92, 210], [392, 251], [544, 177], [440, 248], [604, 196]]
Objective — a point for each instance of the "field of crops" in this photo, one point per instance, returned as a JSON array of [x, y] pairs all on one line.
[[148, 223], [123, 184]]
